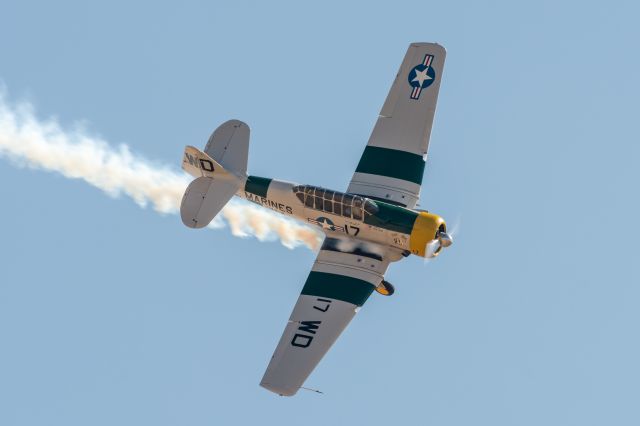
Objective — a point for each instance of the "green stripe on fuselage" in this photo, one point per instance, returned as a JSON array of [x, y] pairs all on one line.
[[257, 185], [393, 218], [339, 287], [392, 163], [383, 200]]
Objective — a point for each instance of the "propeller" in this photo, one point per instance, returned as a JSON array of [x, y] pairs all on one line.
[[442, 240], [456, 228]]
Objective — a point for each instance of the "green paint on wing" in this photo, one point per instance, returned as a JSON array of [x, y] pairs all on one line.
[[257, 185], [339, 287], [392, 163]]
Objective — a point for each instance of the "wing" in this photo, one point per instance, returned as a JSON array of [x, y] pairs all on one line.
[[392, 164], [342, 278]]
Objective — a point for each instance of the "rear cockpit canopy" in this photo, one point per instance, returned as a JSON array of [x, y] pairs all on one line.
[[334, 202]]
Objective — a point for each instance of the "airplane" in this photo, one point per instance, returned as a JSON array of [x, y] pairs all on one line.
[[375, 222]]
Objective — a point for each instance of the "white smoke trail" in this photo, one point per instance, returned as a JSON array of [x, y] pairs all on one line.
[[44, 144]]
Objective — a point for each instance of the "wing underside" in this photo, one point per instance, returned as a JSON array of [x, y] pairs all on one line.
[[338, 284], [392, 165]]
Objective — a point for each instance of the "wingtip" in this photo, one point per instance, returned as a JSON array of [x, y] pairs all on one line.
[[278, 390], [426, 43]]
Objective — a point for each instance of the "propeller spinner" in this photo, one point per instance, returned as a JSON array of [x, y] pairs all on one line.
[[442, 240]]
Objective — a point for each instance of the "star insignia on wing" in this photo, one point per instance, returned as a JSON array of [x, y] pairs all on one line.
[[421, 76]]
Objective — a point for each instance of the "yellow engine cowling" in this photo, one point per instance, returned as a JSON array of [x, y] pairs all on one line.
[[425, 230]]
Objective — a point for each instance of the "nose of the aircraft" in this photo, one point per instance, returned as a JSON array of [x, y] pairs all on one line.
[[445, 239]]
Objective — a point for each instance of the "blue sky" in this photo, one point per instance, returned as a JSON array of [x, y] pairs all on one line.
[[115, 315]]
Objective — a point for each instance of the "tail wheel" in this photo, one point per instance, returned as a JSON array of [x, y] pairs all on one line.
[[385, 288]]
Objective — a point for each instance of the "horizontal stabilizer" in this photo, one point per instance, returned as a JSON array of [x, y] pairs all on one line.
[[198, 163], [229, 146], [204, 198]]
